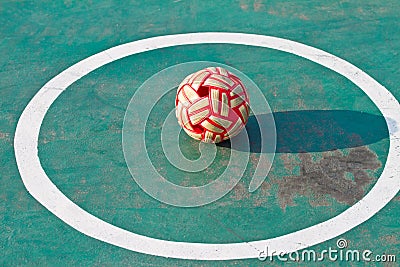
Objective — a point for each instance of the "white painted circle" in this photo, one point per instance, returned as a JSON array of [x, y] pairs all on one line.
[[42, 189]]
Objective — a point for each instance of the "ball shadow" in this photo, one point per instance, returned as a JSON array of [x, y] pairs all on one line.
[[316, 130]]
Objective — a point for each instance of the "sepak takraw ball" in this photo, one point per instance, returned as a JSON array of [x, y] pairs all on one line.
[[212, 105]]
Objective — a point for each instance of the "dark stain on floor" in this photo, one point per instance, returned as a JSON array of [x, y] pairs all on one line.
[[342, 177]]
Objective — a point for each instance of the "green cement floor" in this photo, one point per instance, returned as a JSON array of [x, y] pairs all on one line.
[[320, 117]]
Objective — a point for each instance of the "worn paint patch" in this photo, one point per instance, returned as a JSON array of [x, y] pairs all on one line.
[[328, 176], [240, 192], [264, 193], [390, 239]]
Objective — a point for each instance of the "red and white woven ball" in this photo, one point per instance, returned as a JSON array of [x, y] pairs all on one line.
[[212, 105]]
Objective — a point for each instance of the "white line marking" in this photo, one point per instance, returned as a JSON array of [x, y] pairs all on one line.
[[42, 189]]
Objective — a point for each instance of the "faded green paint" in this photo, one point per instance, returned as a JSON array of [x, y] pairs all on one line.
[[80, 141]]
